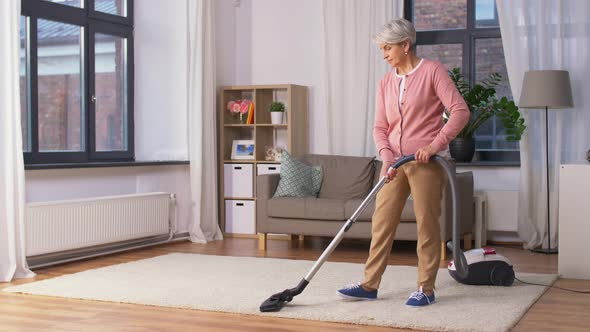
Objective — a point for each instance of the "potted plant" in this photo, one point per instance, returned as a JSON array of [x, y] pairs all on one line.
[[276, 109], [483, 104]]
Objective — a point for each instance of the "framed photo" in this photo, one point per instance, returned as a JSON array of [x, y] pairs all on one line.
[[242, 149]]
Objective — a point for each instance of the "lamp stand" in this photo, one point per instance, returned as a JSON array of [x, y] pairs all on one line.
[[547, 250]]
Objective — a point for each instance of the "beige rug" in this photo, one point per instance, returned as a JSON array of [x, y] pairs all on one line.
[[241, 284]]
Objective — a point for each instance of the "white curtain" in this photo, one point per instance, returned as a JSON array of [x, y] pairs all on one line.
[[202, 121], [353, 67], [539, 35], [13, 262]]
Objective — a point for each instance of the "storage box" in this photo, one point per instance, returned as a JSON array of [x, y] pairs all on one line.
[[240, 217], [268, 169], [238, 180]]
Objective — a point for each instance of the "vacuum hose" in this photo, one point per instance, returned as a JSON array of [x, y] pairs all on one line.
[[458, 255]]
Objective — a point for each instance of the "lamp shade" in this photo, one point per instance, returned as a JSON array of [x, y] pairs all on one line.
[[546, 88]]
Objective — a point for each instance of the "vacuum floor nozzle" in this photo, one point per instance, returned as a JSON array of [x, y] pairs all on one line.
[[278, 300]]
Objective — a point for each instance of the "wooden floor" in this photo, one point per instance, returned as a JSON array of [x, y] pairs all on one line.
[[556, 310]]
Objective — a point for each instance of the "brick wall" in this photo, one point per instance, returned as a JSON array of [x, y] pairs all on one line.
[[451, 55], [440, 14], [60, 113], [108, 113]]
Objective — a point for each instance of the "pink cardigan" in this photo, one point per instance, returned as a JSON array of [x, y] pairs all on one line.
[[401, 130]]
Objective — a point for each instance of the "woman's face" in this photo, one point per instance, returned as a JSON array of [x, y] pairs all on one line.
[[394, 54]]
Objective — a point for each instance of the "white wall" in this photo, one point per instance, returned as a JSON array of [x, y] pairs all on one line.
[[274, 42]]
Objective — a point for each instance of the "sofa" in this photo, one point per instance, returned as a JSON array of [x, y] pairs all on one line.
[[346, 182]]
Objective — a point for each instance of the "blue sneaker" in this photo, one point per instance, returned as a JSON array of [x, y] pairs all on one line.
[[356, 292], [420, 299]]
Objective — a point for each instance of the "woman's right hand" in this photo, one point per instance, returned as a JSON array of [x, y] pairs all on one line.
[[384, 171]]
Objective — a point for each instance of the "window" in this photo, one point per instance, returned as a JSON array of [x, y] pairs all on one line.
[[76, 80], [466, 34]]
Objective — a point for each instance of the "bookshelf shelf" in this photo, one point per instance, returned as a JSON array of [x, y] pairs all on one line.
[[291, 135]]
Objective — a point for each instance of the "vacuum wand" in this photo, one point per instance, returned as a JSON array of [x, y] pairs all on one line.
[[278, 300]]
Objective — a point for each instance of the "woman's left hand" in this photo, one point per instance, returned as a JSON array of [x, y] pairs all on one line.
[[424, 153]]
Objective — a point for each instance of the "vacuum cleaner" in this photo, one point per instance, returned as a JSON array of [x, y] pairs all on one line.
[[486, 267], [278, 300]]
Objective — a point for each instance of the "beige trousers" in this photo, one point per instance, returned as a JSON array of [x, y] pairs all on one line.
[[426, 183]]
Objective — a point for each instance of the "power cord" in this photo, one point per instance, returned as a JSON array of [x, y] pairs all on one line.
[[551, 286]]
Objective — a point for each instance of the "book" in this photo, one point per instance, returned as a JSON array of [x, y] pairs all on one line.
[[250, 119]]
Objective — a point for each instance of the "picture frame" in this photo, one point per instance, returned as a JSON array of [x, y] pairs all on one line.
[[242, 150]]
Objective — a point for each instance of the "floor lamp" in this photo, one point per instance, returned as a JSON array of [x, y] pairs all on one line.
[[546, 89]]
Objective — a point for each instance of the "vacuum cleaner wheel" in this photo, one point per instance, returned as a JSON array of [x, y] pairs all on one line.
[[502, 275]]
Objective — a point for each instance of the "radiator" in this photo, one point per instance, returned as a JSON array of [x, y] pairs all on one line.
[[502, 210], [66, 225]]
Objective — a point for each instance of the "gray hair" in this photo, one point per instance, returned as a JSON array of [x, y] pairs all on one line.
[[396, 31]]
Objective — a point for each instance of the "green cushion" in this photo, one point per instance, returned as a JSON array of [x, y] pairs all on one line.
[[298, 179]]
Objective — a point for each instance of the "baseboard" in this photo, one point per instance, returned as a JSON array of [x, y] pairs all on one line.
[[181, 236], [255, 236], [45, 260]]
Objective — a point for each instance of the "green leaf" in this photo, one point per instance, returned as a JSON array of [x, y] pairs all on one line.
[[483, 104]]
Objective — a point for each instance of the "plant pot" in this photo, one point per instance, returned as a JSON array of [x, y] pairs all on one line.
[[462, 149], [276, 117]]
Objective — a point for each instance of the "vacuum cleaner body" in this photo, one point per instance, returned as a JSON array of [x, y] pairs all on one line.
[[486, 267]]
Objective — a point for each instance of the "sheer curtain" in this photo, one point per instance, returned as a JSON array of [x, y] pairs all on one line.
[[201, 113], [539, 35], [353, 67], [13, 263]]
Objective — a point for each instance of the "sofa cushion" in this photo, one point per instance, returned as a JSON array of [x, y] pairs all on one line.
[[306, 208], [298, 179], [353, 204], [408, 211], [344, 177]]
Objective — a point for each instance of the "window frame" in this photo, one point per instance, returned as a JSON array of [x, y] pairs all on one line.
[[92, 22], [467, 37], [110, 155]]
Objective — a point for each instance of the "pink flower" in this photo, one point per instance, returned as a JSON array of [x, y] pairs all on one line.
[[244, 105], [230, 105], [235, 108], [239, 106]]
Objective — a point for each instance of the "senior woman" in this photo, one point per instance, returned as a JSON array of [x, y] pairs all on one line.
[[410, 103]]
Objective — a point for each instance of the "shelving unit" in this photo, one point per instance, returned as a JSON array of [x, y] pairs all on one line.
[[237, 185]]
